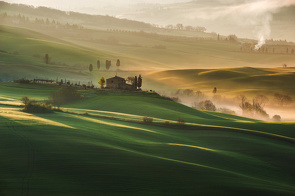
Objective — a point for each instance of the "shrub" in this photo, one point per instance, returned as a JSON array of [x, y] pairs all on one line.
[[167, 122], [33, 107], [147, 119], [65, 95], [180, 121], [276, 118]]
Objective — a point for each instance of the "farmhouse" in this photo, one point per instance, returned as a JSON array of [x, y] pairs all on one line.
[[119, 83]]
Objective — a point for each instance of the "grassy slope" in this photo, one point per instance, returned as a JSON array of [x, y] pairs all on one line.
[[136, 51], [28, 43], [71, 154]]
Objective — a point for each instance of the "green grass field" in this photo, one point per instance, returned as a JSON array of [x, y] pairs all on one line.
[[109, 152]]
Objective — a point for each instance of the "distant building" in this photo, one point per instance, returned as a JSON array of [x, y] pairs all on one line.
[[119, 83]]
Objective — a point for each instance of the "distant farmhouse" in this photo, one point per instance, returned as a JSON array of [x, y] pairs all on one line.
[[119, 83]]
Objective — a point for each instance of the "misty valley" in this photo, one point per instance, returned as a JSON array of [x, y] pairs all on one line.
[[147, 98]]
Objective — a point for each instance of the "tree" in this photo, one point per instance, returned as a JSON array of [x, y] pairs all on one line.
[[25, 100], [261, 100], [118, 63], [90, 67], [135, 81], [284, 65], [108, 64], [206, 105], [65, 95], [282, 99], [130, 80], [139, 81], [46, 58], [276, 118], [98, 64], [215, 90], [102, 82], [179, 26], [233, 38]]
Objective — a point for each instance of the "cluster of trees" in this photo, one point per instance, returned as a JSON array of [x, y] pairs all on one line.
[[254, 109], [283, 49], [108, 65], [282, 99], [180, 26], [32, 106], [135, 81], [25, 20]]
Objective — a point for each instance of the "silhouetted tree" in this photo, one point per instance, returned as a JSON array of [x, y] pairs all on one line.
[[108, 64], [215, 90], [276, 118], [261, 100], [135, 81], [90, 67], [46, 58], [179, 26], [130, 79], [65, 95], [282, 99], [118, 63], [139, 81], [98, 64], [284, 65]]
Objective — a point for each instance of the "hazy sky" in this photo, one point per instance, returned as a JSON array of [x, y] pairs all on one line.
[[74, 4]]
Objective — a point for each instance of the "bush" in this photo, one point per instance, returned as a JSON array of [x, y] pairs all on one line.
[[147, 119], [180, 121], [167, 122], [33, 107], [276, 118], [65, 95]]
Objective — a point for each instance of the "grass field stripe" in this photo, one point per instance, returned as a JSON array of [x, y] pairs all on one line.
[[16, 115], [191, 146], [204, 125], [114, 124]]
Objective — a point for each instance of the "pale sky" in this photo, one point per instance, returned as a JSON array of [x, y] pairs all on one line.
[[74, 4]]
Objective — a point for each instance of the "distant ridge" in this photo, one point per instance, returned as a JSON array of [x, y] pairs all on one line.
[[87, 20]]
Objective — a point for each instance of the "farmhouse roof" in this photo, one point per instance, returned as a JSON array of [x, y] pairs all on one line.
[[116, 77]]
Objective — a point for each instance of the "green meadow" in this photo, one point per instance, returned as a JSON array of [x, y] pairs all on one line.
[[100, 146]]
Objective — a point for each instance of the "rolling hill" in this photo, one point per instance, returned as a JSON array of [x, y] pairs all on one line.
[[71, 52], [109, 151]]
